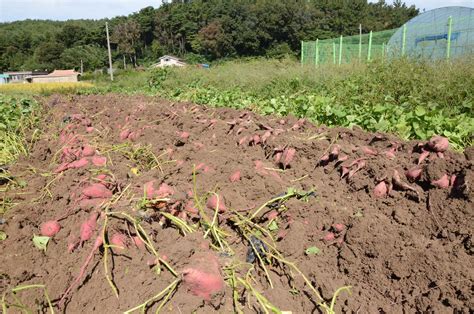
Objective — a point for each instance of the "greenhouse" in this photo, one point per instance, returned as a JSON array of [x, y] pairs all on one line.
[[441, 33]]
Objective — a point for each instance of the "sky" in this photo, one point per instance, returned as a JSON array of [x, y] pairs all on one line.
[[12, 10]]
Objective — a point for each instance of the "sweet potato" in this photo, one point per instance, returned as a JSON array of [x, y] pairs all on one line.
[[203, 278], [438, 144], [423, 155], [78, 163], [442, 183], [97, 244], [119, 241], [380, 190], [96, 190], [216, 202], [328, 237], [183, 135], [124, 134], [190, 208], [50, 228], [99, 161], [164, 190], [138, 242], [287, 157], [234, 177], [414, 173], [88, 227], [339, 227], [88, 151]]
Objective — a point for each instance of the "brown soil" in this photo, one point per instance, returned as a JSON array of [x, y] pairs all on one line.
[[408, 251]]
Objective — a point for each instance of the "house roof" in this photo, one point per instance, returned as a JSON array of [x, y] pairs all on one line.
[[18, 73], [57, 73], [63, 73], [171, 57]]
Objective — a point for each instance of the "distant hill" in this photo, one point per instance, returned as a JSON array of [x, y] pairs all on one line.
[[199, 30]]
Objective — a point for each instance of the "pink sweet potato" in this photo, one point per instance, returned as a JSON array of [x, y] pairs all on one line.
[[438, 144], [287, 157], [339, 227], [380, 190], [88, 151], [183, 135], [97, 244], [369, 151], [50, 228], [99, 161], [78, 163], [96, 190], [423, 155], [190, 208], [203, 278], [164, 190], [88, 227], [119, 241], [414, 173], [442, 183], [216, 202], [138, 242], [271, 215], [330, 236], [234, 177], [124, 134], [62, 167]]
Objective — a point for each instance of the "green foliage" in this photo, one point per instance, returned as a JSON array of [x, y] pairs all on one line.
[[92, 57], [16, 116], [13, 111], [312, 250], [412, 99], [41, 242]]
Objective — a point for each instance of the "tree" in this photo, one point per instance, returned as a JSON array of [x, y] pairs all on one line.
[[71, 35], [126, 36], [48, 55], [93, 57]]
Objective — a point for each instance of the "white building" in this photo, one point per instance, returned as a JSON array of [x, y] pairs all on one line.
[[167, 61]]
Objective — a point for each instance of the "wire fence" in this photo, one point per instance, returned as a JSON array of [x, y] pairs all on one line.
[[433, 35]]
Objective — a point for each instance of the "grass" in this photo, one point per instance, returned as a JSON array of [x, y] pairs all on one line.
[[18, 117], [44, 88]]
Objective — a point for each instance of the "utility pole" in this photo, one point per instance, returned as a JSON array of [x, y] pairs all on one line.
[[124, 63], [110, 53], [82, 67]]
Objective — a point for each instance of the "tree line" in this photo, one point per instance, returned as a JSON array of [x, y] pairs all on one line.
[[197, 30]]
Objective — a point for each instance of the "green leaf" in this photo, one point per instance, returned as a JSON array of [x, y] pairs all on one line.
[[273, 226], [312, 250], [3, 235], [41, 242]]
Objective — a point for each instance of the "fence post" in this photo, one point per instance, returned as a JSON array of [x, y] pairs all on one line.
[[340, 50], [450, 31], [360, 43], [333, 52], [302, 53], [317, 51], [404, 39], [383, 51], [369, 53]]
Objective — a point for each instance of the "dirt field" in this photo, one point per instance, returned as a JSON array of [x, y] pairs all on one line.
[[402, 247]]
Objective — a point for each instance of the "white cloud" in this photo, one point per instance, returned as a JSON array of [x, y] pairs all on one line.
[[11, 10]]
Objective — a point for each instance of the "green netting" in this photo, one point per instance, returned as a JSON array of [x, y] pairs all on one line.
[[347, 49], [441, 33]]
